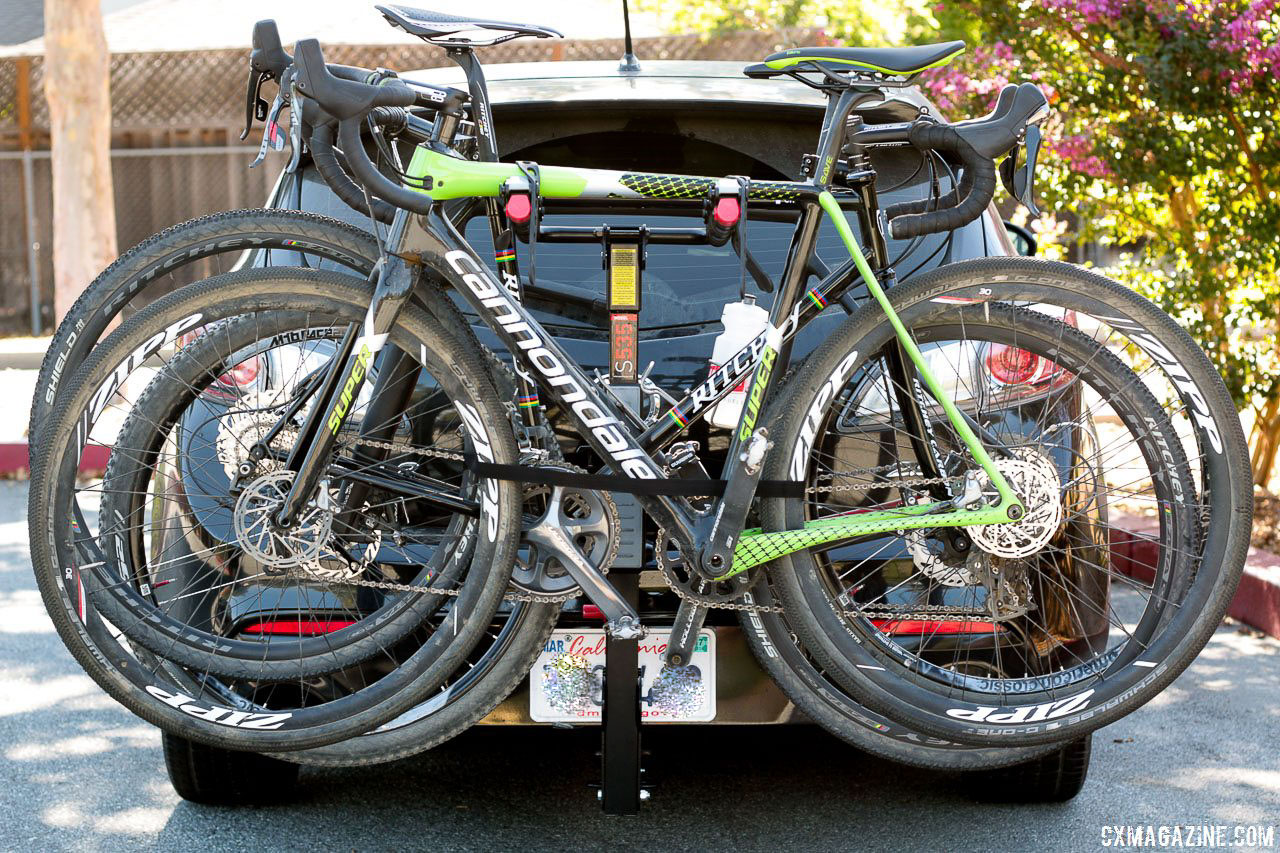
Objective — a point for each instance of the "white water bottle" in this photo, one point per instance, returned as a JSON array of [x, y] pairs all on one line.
[[743, 322]]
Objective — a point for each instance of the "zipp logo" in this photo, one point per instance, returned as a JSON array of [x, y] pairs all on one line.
[[489, 506], [630, 459], [1024, 714], [1160, 353], [131, 363], [221, 716], [809, 429]]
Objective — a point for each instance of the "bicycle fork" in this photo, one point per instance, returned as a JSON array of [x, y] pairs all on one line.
[[311, 455]]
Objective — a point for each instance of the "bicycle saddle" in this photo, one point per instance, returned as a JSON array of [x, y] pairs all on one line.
[[436, 25], [882, 60]]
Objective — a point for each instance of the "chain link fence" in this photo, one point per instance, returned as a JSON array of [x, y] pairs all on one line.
[[175, 119]]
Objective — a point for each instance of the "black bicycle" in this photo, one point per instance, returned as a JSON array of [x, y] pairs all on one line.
[[317, 469]]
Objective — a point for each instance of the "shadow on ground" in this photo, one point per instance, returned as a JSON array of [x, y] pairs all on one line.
[[81, 773]]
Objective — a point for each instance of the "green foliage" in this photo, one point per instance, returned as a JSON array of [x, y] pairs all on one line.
[[1163, 148]]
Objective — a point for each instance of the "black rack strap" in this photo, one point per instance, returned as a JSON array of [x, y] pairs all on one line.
[[675, 487]]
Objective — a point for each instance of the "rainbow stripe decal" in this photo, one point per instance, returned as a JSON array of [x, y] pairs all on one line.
[[681, 420], [528, 402], [504, 255], [817, 299]]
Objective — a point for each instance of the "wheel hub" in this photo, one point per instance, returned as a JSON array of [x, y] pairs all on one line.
[[1034, 478]]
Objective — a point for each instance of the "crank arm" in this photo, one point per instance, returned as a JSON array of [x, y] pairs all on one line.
[[684, 633], [621, 620]]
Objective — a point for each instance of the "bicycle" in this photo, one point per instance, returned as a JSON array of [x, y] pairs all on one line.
[[1185, 582]]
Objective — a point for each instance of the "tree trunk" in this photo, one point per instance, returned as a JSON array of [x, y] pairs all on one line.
[[77, 86], [1266, 440]]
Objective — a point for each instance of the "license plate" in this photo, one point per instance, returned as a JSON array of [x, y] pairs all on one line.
[[566, 680]]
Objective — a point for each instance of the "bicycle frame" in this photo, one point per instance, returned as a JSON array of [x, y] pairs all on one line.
[[722, 546]]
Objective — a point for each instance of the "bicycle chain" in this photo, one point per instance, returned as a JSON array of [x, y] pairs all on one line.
[[531, 598]]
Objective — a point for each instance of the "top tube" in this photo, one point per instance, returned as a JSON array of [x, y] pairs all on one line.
[[442, 177]]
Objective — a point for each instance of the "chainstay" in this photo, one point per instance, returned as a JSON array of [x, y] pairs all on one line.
[[516, 596]]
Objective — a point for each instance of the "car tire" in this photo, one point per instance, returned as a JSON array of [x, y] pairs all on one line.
[[1053, 778], [222, 777]]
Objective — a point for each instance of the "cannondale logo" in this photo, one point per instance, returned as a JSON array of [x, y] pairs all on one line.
[[630, 459]]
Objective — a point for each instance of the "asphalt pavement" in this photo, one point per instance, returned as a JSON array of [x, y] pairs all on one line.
[[79, 772]]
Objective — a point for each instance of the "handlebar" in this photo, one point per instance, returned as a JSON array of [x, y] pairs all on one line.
[[349, 102], [976, 143]]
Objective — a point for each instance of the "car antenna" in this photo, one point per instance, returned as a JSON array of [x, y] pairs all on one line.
[[629, 65]]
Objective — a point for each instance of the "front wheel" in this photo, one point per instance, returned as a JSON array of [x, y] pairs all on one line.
[[1111, 425]]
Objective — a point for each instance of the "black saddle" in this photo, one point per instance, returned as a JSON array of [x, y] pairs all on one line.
[[435, 25], [864, 61]]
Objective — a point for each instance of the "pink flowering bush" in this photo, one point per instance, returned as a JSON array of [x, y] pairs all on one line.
[[1164, 144]]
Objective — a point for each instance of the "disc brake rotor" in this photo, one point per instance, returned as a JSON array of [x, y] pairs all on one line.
[[257, 536]]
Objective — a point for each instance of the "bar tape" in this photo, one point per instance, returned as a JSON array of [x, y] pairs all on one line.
[[674, 487]]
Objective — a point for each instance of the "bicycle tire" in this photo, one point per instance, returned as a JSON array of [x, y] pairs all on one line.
[[138, 271], [122, 675], [801, 679], [877, 680]]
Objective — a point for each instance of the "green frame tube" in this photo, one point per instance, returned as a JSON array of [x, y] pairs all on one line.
[[452, 177]]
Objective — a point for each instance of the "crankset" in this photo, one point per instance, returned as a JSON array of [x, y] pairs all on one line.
[[560, 517]]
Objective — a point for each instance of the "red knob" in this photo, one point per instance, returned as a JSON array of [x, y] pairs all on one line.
[[519, 207], [727, 211]]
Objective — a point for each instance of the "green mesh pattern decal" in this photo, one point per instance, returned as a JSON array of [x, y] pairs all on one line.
[[755, 547], [773, 191], [666, 186]]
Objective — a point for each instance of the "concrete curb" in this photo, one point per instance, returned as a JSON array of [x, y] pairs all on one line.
[[1257, 600]]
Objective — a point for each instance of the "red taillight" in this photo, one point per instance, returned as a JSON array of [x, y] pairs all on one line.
[[1015, 366], [519, 208], [298, 627], [242, 374], [917, 627]]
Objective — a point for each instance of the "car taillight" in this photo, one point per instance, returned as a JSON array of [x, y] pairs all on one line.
[[240, 376], [918, 627], [298, 627], [1014, 365], [243, 374]]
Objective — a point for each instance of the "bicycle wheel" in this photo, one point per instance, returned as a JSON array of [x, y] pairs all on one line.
[[324, 301], [803, 680], [1039, 631], [184, 253]]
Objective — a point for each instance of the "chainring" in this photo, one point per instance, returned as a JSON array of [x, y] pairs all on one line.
[[689, 584], [589, 517]]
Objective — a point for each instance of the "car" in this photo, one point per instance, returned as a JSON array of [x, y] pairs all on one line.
[[681, 117]]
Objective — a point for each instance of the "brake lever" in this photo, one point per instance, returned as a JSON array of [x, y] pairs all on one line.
[[255, 106], [272, 138], [1020, 182]]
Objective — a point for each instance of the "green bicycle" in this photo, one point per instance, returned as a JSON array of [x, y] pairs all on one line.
[[998, 487]]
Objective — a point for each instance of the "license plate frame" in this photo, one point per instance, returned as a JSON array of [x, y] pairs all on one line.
[[565, 680]]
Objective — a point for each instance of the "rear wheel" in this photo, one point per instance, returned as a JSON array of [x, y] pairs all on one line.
[[213, 776], [1019, 633]]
